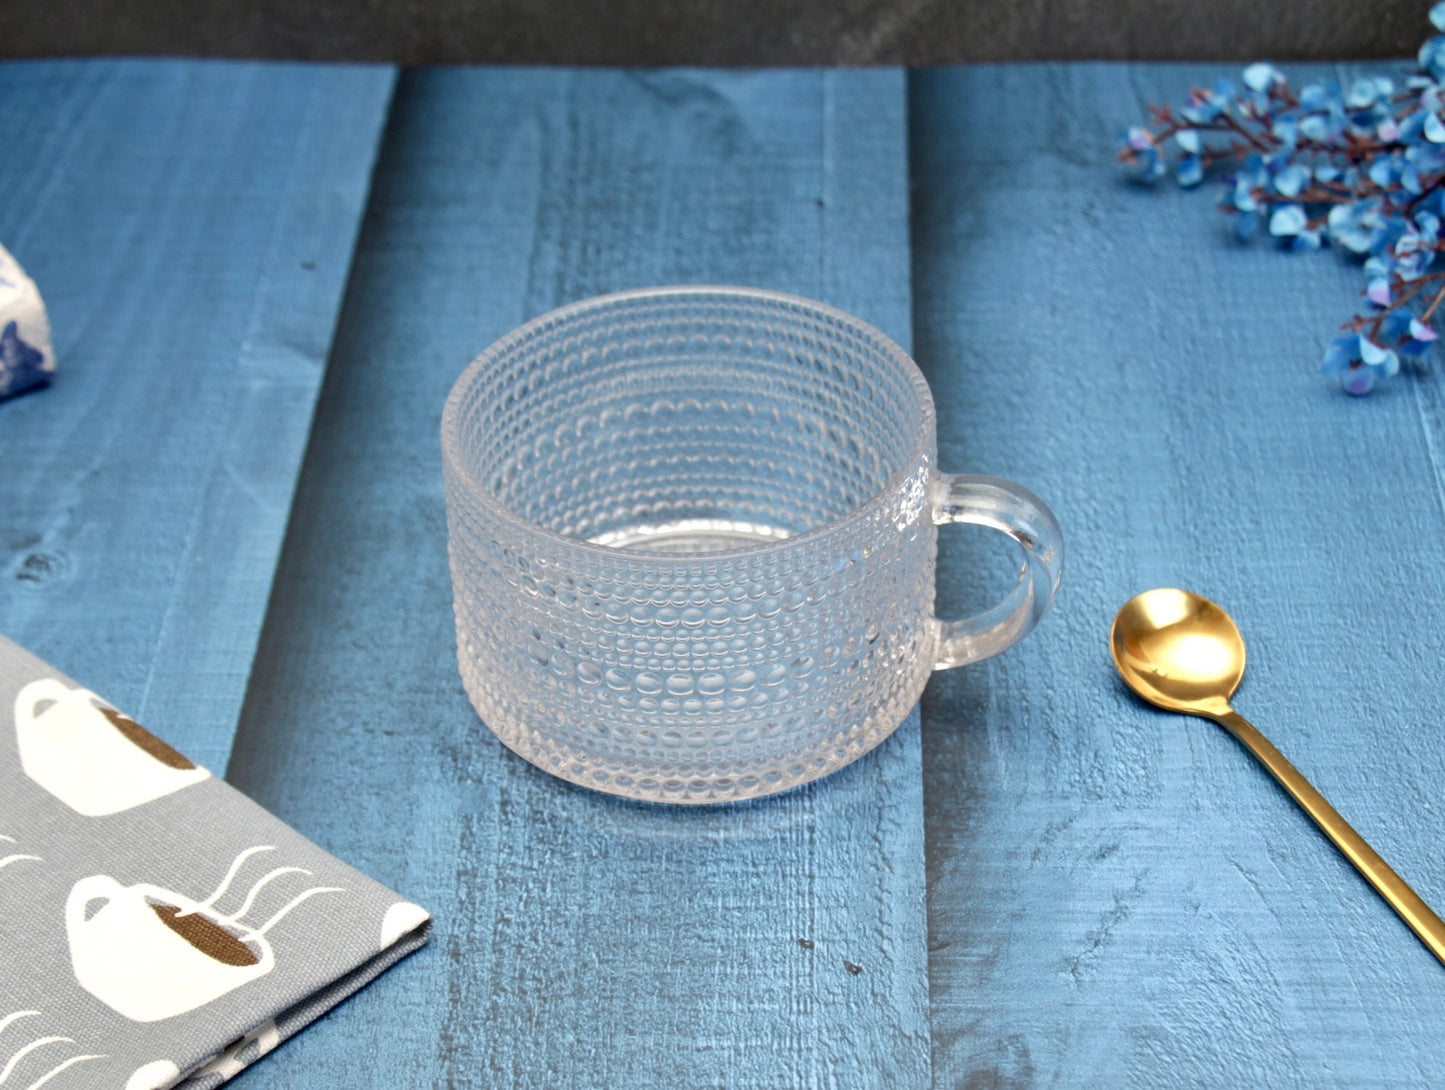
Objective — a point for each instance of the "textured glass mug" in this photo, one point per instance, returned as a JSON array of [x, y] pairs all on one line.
[[692, 536]]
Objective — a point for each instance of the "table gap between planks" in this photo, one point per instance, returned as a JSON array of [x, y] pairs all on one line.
[[580, 939]]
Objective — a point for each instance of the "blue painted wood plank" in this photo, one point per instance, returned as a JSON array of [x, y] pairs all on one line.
[[1119, 896], [581, 940], [191, 226]]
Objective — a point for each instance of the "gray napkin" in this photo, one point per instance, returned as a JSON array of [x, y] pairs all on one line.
[[157, 928]]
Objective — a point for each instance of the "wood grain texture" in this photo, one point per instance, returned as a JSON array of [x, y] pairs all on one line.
[[190, 226], [580, 940], [1118, 896]]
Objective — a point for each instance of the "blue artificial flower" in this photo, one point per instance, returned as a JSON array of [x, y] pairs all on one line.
[[1377, 279], [1410, 179], [1437, 15], [1358, 226], [1144, 153], [1395, 325], [1261, 81], [1318, 96], [1367, 91], [1425, 158], [1359, 362], [1324, 113], [1377, 357], [1191, 164], [1239, 197], [1287, 219], [1206, 105], [1290, 224], [1432, 57], [1291, 180], [1368, 102], [1414, 250], [1418, 338], [1262, 77], [1286, 130], [1387, 170]]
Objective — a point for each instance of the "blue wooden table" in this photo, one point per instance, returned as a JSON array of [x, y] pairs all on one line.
[[226, 515]]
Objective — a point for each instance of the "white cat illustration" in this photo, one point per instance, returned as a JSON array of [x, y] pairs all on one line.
[[90, 756]]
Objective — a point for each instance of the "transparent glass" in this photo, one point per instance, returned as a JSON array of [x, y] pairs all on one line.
[[692, 536]]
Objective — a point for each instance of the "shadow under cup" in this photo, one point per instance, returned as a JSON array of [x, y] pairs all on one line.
[[692, 541]]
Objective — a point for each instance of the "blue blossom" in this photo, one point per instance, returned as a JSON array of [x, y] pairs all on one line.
[[1359, 362], [1377, 357], [1359, 225], [1285, 130], [1261, 81], [1394, 325], [1206, 105], [1369, 91], [1323, 109], [1145, 153], [1290, 181], [1414, 250], [1368, 103], [1290, 224], [1262, 77], [1287, 219], [1377, 278], [1432, 57], [1418, 339], [1387, 170]]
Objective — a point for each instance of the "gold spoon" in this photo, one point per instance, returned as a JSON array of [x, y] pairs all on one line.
[[1182, 652]]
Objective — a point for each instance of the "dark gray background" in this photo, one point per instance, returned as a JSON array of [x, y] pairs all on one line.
[[718, 32]]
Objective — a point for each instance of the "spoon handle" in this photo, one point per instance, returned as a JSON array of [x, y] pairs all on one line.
[[1377, 872]]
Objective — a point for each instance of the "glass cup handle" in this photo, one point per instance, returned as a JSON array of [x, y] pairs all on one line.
[[1013, 510]]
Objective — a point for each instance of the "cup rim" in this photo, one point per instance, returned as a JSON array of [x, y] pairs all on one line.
[[920, 450]]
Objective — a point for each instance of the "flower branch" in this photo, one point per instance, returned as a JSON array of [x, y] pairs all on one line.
[[1359, 169]]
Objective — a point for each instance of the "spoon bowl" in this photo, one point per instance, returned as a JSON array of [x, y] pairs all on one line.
[[1178, 651]]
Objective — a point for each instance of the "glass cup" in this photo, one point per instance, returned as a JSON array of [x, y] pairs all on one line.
[[692, 535]]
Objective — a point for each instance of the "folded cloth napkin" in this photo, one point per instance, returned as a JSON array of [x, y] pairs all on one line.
[[157, 928], [27, 357]]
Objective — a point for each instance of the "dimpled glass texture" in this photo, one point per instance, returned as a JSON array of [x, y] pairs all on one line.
[[690, 540]]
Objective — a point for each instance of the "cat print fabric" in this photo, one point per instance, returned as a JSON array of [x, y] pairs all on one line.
[[157, 928]]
